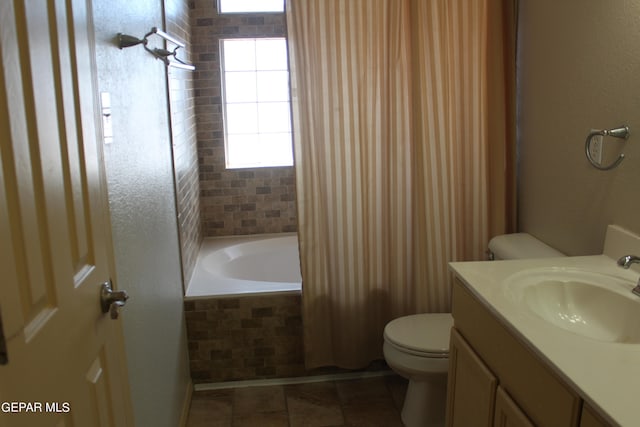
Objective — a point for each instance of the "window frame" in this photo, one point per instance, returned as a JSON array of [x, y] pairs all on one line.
[[220, 12], [223, 101]]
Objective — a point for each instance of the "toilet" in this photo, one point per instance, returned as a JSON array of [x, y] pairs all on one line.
[[416, 347]]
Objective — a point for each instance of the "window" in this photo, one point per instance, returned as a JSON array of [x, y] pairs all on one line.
[[250, 6], [256, 111]]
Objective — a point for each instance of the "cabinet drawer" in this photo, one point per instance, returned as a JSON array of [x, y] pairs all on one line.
[[540, 393]]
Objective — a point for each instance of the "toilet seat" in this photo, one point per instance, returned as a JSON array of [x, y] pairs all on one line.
[[425, 335]]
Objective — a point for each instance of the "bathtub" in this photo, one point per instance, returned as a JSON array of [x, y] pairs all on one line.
[[241, 265]]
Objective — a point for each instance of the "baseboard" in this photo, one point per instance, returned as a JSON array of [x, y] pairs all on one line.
[[186, 404], [293, 380]]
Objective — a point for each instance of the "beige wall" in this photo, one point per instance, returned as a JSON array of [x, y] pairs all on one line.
[[579, 68], [143, 211]]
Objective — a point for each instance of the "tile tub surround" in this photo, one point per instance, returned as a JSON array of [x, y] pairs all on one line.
[[249, 338], [234, 201], [366, 402], [242, 338], [183, 138]]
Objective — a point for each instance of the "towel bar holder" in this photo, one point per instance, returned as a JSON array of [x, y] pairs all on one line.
[[621, 132], [125, 41]]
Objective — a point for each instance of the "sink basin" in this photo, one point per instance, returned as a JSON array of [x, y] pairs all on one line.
[[596, 306]]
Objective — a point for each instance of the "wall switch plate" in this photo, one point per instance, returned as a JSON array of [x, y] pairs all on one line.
[[595, 149], [105, 111]]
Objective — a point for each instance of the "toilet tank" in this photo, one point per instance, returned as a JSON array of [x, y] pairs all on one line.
[[520, 246]]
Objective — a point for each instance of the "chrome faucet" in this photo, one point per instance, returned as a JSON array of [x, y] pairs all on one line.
[[625, 262]]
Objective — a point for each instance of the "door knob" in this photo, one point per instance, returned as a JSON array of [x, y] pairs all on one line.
[[111, 301]]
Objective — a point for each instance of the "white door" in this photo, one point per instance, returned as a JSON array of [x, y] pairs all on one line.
[[65, 358]]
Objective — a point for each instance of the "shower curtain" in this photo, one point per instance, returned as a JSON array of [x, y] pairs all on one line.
[[403, 121]]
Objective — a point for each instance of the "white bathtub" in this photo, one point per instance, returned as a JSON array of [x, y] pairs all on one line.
[[243, 265]]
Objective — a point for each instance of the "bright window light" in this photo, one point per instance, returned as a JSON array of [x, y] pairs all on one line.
[[257, 116], [250, 6]]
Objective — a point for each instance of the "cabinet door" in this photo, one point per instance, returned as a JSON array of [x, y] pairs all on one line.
[[590, 418], [471, 388], [508, 414]]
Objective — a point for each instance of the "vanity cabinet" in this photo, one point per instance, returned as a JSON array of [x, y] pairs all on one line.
[[496, 380], [471, 388], [590, 418], [475, 397], [508, 413]]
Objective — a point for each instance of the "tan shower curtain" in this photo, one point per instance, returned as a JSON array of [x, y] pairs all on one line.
[[403, 130]]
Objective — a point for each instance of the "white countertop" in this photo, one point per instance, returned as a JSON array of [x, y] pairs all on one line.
[[606, 375]]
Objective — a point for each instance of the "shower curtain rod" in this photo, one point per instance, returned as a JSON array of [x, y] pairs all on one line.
[[125, 41]]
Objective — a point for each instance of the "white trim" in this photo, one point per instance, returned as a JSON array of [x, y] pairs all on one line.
[[248, 10], [293, 380]]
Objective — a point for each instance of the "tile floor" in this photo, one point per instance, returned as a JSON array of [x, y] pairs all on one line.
[[369, 402]]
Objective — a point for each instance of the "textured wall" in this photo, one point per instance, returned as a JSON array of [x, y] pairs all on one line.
[[183, 136], [143, 214], [579, 64], [237, 201]]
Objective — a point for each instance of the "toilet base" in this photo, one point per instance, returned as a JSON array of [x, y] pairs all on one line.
[[425, 402]]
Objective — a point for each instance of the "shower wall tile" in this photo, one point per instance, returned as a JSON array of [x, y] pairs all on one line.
[[183, 136], [235, 201]]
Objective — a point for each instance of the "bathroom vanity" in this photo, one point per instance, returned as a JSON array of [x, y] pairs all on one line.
[[547, 342]]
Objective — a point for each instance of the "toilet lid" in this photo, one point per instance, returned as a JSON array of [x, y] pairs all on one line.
[[425, 333]]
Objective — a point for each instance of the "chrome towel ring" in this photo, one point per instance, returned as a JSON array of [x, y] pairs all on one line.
[[619, 132]]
